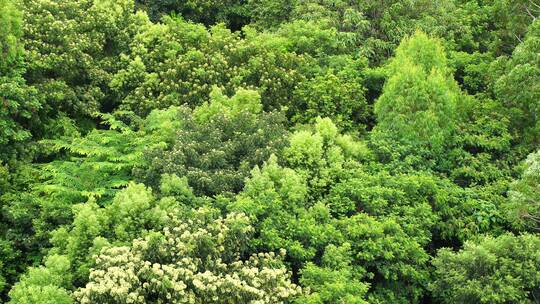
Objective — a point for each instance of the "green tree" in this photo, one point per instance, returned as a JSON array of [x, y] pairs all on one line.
[[176, 62], [133, 213], [373, 28], [418, 111], [195, 259], [323, 156], [18, 120], [44, 284], [217, 109], [19, 104], [36, 199], [510, 22], [337, 94], [218, 144], [489, 270], [483, 152], [404, 198], [73, 50], [231, 12], [290, 209], [523, 209], [336, 280], [18, 249], [517, 89], [10, 38], [95, 165]]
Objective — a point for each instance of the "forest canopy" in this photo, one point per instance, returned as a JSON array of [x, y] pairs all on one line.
[[269, 151]]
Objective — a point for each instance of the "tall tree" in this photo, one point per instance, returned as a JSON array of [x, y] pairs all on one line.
[[418, 110], [18, 104], [518, 88]]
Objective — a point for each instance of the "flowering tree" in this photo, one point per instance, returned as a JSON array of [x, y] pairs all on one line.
[[194, 261]]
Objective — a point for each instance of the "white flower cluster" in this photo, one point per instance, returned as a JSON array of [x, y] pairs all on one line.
[[195, 261]]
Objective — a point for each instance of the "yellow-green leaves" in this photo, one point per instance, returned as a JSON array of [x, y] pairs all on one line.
[[420, 50], [417, 112], [73, 48], [42, 285], [323, 156], [247, 101], [10, 45]]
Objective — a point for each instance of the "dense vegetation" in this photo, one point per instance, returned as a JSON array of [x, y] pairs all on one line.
[[269, 151]]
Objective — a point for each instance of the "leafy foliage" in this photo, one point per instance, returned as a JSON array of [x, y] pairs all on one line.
[[231, 12], [11, 21], [44, 284], [18, 101], [72, 49], [178, 63], [521, 70], [133, 211], [375, 27], [524, 206], [269, 151], [219, 143], [337, 95], [193, 260], [288, 206], [323, 156], [418, 110], [490, 270]]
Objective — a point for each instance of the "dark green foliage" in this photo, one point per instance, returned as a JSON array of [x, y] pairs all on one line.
[[407, 199], [17, 250], [466, 212], [471, 70], [231, 12], [218, 144], [374, 27], [482, 152], [511, 21], [18, 109]]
